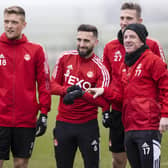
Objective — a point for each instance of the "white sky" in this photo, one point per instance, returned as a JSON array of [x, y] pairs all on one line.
[[48, 2], [74, 2]]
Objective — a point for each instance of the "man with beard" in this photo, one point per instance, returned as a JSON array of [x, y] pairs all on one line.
[[113, 57], [76, 122]]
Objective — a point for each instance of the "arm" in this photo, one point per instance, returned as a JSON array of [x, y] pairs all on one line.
[[158, 50], [57, 79], [99, 101], [160, 75], [105, 59], [43, 81], [107, 93], [103, 80]]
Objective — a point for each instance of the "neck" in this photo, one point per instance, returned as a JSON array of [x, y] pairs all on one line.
[[131, 58]]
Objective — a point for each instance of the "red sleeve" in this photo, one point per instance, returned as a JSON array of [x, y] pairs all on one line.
[[157, 49], [106, 61], [43, 81], [113, 95], [57, 87], [160, 75], [99, 101], [102, 81], [104, 76]]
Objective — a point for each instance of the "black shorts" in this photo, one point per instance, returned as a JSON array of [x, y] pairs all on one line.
[[116, 135], [143, 148], [68, 137], [19, 140]]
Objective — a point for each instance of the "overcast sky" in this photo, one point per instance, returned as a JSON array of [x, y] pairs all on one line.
[[4, 3], [49, 2]]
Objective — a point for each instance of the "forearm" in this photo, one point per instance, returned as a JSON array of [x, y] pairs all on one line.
[[57, 89], [99, 101], [112, 95]]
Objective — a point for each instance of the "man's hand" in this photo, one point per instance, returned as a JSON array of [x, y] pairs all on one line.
[[71, 96], [41, 125], [95, 91], [106, 119], [163, 124]]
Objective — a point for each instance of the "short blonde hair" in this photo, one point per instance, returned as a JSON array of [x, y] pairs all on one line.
[[15, 10]]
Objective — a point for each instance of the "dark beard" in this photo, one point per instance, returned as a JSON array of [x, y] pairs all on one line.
[[85, 54]]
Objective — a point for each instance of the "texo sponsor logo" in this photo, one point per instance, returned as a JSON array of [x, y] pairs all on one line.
[[73, 80]]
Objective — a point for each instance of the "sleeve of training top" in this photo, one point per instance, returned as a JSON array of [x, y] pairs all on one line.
[[104, 76], [160, 75], [102, 81], [158, 50], [115, 94], [57, 87], [43, 81], [99, 101], [106, 60]]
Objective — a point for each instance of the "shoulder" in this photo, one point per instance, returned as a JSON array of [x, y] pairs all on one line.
[[154, 63], [152, 42], [35, 46], [98, 62], [112, 44], [156, 48], [67, 55], [151, 57], [70, 52]]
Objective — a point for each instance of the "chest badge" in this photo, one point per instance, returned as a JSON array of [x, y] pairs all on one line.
[[27, 57], [90, 74], [69, 67]]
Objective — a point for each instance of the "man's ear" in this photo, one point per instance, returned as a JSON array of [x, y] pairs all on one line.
[[140, 20]]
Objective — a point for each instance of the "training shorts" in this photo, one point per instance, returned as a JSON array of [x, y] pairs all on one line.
[[116, 133], [19, 140]]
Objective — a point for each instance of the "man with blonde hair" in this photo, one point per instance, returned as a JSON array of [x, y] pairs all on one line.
[[24, 69]]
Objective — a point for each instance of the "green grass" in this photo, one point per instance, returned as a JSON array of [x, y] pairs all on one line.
[[43, 154]]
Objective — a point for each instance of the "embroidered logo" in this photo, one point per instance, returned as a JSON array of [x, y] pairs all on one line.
[[146, 148], [95, 145], [89, 74], [69, 67], [27, 57], [124, 70]]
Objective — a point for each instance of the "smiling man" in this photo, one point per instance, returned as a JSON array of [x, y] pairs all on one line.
[[23, 69], [113, 57], [76, 122], [143, 93]]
